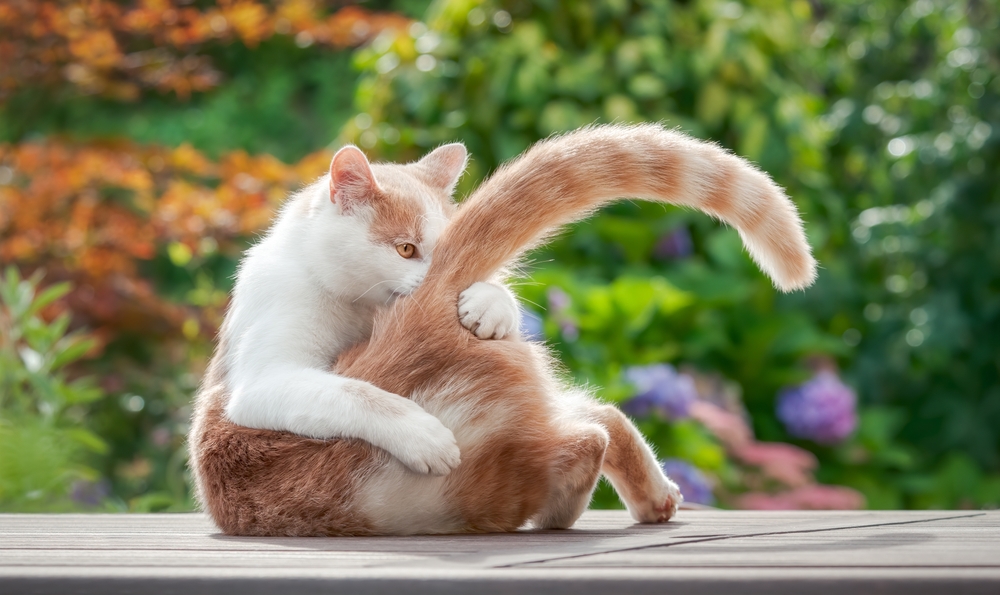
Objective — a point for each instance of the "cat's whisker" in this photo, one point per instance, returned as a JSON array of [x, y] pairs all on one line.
[[373, 287], [421, 306], [395, 313], [539, 306], [402, 288], [437, 217], [392, 295]]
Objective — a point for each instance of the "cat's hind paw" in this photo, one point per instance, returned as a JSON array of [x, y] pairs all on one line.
[[489, 311], [661, 505]]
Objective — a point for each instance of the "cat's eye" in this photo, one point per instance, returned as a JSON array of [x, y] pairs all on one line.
[[406, 250]]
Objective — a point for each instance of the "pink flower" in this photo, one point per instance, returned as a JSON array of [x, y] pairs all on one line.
[[810, 497], [786, 463], [728, 427]]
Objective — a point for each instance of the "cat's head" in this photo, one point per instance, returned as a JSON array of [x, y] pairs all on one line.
[[391, 216]]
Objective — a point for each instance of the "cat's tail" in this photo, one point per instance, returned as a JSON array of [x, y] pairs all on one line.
[[565, 178]]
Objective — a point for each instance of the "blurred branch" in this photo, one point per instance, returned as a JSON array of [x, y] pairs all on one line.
[[117, 50], [92, 213]]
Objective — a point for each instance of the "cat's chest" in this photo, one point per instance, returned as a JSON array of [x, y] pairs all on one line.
[[336, 328]]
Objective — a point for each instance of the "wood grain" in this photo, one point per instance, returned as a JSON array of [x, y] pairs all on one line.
[[700, 552]]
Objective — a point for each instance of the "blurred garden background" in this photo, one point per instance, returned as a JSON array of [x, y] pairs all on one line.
[[144, 144]]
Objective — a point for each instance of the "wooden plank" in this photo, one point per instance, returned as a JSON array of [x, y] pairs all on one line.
[[584, 581], [969, 541], [701, 551], [195, 532]]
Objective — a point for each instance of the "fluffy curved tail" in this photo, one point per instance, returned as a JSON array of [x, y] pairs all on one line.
[[563, 179]]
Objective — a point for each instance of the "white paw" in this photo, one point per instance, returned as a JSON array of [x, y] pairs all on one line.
[[424, 444], [490, 312], [661, 505]]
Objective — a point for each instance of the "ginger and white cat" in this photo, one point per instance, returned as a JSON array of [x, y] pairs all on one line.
[[532, 448], [311, 288]]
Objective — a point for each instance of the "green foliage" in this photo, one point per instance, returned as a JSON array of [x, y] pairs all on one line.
[[277, 99], [43, 448], [880, 118]]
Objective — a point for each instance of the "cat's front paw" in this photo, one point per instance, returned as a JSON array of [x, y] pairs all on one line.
[[661, 504], [487, 310], [425, 445]]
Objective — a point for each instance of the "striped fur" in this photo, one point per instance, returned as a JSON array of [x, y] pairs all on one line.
[[565, 178], [532, 447]]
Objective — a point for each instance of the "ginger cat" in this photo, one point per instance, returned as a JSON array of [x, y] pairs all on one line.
[[311, 287], [532, 448]]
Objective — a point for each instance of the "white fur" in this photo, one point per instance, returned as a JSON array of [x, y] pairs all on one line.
[[403, 503], [308, 291], [427, 509], [488, 310]]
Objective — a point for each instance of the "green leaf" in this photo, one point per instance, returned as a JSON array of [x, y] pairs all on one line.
[[47, 296], [152, 502], [72, 350], [87, 439]]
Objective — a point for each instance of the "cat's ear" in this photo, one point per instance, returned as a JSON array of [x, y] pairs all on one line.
[[351, 179], [443, 166]]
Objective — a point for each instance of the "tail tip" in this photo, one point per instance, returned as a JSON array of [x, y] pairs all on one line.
[[798, 277]]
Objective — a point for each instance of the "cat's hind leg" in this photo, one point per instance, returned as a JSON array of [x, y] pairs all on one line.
[[634, 472], [576, 469]]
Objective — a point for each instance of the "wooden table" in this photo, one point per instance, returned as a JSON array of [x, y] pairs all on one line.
[[846, 553]]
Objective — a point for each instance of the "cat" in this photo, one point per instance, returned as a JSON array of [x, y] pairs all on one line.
[[532, 447], [311, 287]]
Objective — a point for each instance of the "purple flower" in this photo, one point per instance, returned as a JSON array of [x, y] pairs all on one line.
[[89, 493], [532, 327], [660, 388], [674, 245], [822, 410], [569, 330], [559, 302], [694, 486]]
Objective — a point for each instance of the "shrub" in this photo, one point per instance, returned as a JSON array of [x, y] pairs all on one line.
[[44, 443]]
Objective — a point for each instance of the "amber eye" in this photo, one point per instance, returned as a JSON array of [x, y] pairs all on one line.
[[406, 250]]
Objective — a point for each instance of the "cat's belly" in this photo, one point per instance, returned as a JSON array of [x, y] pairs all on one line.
[[502, 482]]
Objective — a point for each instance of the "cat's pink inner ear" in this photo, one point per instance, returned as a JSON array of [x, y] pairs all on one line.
[[351, 178], [443, 166]]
